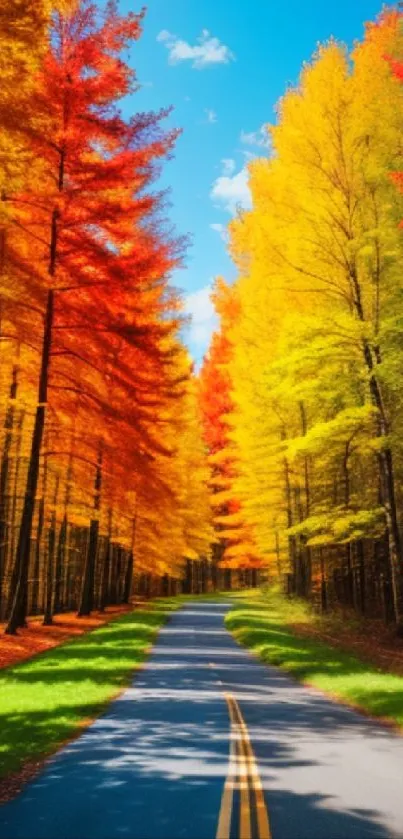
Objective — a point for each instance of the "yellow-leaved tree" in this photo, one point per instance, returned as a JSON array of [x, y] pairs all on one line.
[[314, 373]]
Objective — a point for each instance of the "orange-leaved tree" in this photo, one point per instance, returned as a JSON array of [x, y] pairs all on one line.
[[95, 240]]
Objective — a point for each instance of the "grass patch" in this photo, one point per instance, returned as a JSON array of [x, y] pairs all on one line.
[[45, 700], [260, 621]]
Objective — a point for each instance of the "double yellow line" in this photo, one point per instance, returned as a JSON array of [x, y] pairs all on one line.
[[243, 775]]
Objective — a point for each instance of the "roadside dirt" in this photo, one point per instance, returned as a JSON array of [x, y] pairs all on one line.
[[370, 640], [37, 638]]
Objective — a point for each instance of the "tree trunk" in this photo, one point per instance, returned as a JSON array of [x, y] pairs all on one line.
[[87, 588], [106, 566], [291, 539], [372, 358], [323, 587], [307, 493], [127, 588], [20, 573], [50, 559], [386, 470], [113, 584], [278, 557], [188, 581], [4, 473], [60, 565], [349, 577], [214, 571], [395, 548], [361, 574], [16, 483], [37, 561], [119, 552], [130, 566], [61, 571], [50, 575]]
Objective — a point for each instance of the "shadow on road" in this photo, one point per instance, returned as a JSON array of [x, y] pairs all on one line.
[[154, 765]]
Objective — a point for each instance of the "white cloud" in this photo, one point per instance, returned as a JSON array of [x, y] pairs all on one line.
[[231, 191], [199, 306], [207, 52], [164, 35], [259, 138], [211, 115], [228, 166], [221, 230]]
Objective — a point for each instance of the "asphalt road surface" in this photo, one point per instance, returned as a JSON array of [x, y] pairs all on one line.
[[210, 744]]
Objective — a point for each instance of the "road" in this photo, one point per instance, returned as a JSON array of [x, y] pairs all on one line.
[[209, 744]]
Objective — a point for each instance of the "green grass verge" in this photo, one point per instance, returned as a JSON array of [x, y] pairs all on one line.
[[45, 700], [260, 621]]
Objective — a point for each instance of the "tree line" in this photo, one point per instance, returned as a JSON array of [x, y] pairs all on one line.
[[305, 439], [102, 465]]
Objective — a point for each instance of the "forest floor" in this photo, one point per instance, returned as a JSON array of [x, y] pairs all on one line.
[[48, 699], [364, 672], [36, 638], [370, 639]]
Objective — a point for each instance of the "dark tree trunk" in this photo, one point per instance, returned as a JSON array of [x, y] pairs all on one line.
[[291, 539], [113, 590], [361, 573], [204, 578], [214, 574], [50, 559], [118, 573], [278, 557], [37, 560], [106, 565], [386, 469], [87, 588], [19, 580], [14, 503], [4, 474], [188, 581], [395, 548], [62, 558], [299, 547], [130, 566], [60, 565], [307, 554], [323, 585], [127, 589]]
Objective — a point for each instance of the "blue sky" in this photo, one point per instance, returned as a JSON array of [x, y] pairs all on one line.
[[222, 65]]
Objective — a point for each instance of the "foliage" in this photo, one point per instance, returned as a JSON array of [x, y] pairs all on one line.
[[313, 380], [101, 427]]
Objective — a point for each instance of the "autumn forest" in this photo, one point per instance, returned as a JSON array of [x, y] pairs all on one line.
[[124, 469]]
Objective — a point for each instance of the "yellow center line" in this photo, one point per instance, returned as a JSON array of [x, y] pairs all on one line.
[[245, 817], [242, 773], [224, 821], [261, 808]]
